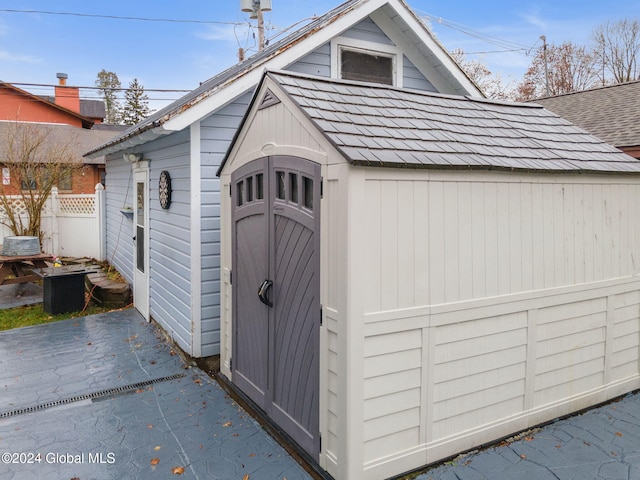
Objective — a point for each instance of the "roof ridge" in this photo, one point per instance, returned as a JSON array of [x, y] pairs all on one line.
[[404, 90], [593, 89]]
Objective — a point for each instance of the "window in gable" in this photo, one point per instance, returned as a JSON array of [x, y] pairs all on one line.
[[365, 61], [366, 66]]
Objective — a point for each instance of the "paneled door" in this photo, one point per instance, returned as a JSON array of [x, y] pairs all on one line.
[[276, 292]]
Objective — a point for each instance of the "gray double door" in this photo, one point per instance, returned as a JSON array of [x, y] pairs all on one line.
[[276, 290]]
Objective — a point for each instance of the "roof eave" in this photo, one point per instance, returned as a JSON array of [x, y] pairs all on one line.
[[134, 139]]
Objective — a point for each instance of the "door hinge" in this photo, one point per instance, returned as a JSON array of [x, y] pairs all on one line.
[[231, 364], [320, 442], [320, 315], [230, 277], [230, 190], [321, 187]]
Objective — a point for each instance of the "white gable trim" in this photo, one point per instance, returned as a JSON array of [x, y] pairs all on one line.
[[433, 72]]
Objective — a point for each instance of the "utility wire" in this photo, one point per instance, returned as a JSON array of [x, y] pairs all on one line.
[[507, 45], [119, 89], [117, 17]]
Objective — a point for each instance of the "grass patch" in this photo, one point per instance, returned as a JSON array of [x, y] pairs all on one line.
[[35, 315]]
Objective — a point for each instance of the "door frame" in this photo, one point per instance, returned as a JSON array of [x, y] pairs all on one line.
[[141, 279]]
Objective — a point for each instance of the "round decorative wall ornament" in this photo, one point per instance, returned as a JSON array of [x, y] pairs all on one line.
[[164, 189]]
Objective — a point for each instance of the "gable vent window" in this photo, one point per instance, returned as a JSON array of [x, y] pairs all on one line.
[[366, 67]]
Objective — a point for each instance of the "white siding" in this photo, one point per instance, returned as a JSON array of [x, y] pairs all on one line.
[[478, 238], [169, 242], [119, 196], [494, 302], [216, 131]]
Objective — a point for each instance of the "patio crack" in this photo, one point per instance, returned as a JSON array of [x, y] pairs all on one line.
[[89, 396]]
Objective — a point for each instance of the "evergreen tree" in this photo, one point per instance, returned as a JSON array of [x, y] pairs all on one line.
[[109, 85], [136, 104]]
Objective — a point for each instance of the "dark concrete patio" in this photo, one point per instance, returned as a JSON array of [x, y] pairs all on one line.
[[105, 397]]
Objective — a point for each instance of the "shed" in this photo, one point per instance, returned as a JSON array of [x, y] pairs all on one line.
[[407, 275]]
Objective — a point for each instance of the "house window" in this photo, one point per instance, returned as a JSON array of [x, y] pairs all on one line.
[[366, 67], [32, 182]]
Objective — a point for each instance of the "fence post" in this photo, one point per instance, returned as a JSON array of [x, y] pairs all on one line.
[[101, 218], [53, 204]]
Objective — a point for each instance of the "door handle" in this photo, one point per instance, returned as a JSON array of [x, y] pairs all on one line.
[[263, 291]]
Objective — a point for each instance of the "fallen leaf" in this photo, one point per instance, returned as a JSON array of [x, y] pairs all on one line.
[[149, 426], [89, 343], [246, 477], [172, 353], [177, 470], [618, 434], [228, 424], [157, 448], [155, 461], [523, 456], [197, 380], [528, 439], [252, 455]]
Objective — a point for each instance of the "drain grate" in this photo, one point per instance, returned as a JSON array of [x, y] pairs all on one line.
[[90, 396]]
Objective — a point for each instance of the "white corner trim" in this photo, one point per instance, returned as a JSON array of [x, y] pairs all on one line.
[[196, 248]]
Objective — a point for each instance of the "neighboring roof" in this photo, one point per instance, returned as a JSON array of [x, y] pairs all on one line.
[[245, 75], [86, 121], [80, 139], [377, 125], [88, 108], [610, 113]]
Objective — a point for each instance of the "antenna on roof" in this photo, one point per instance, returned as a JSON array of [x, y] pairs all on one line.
[[255, 9]]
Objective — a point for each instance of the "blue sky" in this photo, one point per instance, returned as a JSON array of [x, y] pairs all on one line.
[[176, 55]]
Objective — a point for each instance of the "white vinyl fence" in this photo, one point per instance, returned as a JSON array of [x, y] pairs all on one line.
[[73, 225]]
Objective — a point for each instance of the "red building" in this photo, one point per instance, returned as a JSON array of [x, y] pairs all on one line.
[[70, 119]]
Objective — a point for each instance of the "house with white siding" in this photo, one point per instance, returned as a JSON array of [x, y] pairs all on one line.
[[171, 255]]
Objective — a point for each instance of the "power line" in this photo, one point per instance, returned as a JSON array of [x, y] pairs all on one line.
[[118, 17], [120, 89], [507, 45]]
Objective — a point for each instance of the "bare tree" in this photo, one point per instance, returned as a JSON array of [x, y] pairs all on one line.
[[567, 68], [617, 45], [36, 162], [492, 85]]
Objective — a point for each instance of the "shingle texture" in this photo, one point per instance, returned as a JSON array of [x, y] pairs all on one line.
[[610, 113], [386, 126]]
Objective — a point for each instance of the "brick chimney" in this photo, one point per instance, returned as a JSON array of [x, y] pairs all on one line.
[[67, 97]]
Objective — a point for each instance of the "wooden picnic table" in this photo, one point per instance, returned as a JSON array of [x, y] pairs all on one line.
[[19, 267]]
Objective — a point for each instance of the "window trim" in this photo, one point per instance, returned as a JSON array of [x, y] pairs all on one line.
[[343, 43]]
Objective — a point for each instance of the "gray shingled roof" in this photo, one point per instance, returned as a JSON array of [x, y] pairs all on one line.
[[386, 126], [610, 113]]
